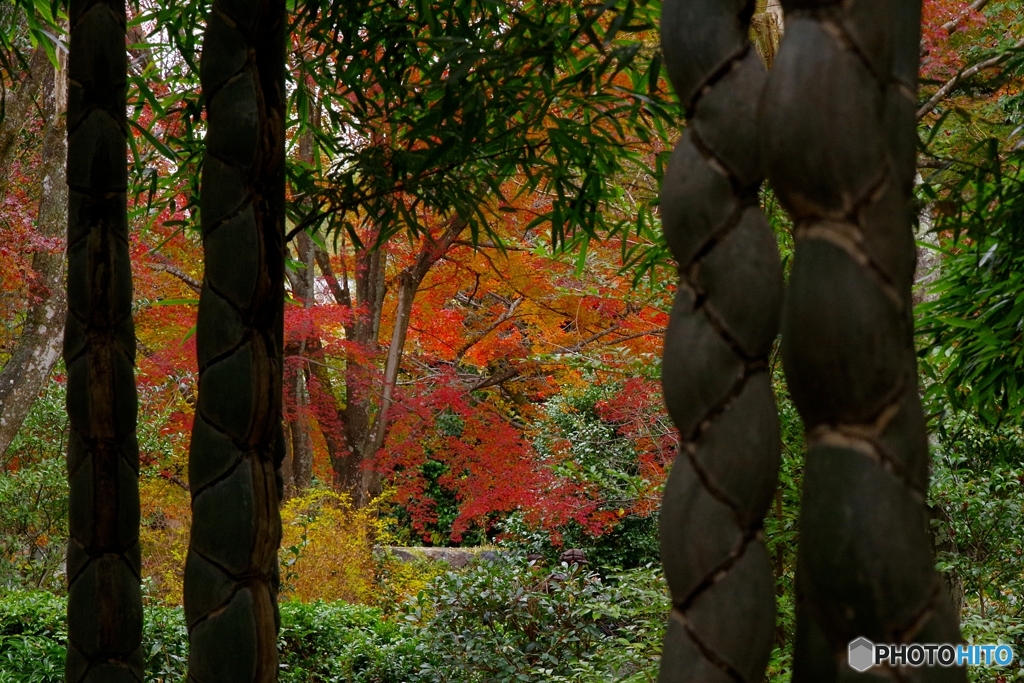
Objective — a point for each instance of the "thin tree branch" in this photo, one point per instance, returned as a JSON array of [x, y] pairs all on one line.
[[934, 162], [194, 284], [487, 244], [954, 23], [952, 83], [175, 479], [594, 337], [482, 334], [341, 294], [494, 380], [656, 332]]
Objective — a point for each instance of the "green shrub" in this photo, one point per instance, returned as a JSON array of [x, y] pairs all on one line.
[[319, 642], [977, 505], [165, 644], [43, 434], [33, 523], [32, 637], [632, 543], [31, 659], [33, 634], [323, 642], [33, 613], [496, 621], [506, 620]]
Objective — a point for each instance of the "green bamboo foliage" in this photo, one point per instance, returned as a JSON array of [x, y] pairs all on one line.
[[103, 562], [715, 372], [231, 572], [839, 143]]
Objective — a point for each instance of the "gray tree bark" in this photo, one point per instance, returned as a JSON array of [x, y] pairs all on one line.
[[19, 105], [297, 469], [38, 348]]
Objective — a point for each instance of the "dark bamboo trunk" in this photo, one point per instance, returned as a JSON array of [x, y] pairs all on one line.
[[104, 597], [715, 375], [839, 142], [231, 574]]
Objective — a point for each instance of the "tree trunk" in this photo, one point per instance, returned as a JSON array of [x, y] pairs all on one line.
[[38, 347], [409, 281], [19, 106], [355, 432], [296, 374], [287, 470], [365, 430], [231, 573], [324, 407], [929, 261], [407, 286], [715, 374], [298, 468], [942, 541], [103, 562], [361, 380], [766, 27], [839, 145], [370, 482]]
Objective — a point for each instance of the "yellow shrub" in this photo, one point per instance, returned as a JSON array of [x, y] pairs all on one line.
[[327, 548], [163, 538]]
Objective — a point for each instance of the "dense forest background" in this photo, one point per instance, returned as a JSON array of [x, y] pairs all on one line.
[[477, 290]]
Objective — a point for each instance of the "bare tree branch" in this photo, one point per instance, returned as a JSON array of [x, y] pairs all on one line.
[[175, 479], [494, 380], [487, 244], [194, 284], [952, 83], [594, 337], [954, 23], [657, 331], [482, 334], [341, 294]]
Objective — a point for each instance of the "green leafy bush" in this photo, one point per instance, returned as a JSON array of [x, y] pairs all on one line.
[[32, 637], [34, 498], [31, 659], [165, 644], [33, 634], [336, 641], [497, 621], [33, 613], [507, 620], [44, 432], [33, 522], [977, 503], [606, 462]]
